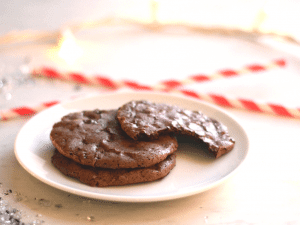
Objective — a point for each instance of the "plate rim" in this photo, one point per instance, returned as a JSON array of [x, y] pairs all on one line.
[[152, 198]]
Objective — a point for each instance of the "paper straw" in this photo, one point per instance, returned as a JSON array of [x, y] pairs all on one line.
[[107, 82], [224, 73], [239, 103], [25, 110], [245, 104]]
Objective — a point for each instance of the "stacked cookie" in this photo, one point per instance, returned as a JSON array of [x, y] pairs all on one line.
[[92, 147], [133, 144]]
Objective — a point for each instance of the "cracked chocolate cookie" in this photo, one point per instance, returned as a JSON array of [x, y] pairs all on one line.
[[95, 138], [100, 177], [144, 120]]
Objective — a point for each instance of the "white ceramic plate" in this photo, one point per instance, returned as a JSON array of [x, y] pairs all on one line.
[[195, 171]]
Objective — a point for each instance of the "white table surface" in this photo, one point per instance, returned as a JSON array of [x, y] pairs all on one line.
[[266, 189]]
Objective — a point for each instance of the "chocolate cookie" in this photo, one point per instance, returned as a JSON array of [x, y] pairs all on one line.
[[99, 177], [95, 138], [143, 120]]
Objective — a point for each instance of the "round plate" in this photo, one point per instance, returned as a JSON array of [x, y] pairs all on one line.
[[195, 170]]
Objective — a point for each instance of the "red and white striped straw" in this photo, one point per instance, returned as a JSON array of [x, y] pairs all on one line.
[[224, 73], [107, 82], [245, 104], [239, 103], [25, 110]]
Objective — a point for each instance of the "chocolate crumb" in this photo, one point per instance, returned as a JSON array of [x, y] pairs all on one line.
[[58, 206], [44, 202]]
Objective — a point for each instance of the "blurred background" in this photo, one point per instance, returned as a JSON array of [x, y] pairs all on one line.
[[145, 41], [276, 16]]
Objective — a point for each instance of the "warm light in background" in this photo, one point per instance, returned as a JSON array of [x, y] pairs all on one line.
[[69, 50], [215, 13], [247, 17]]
